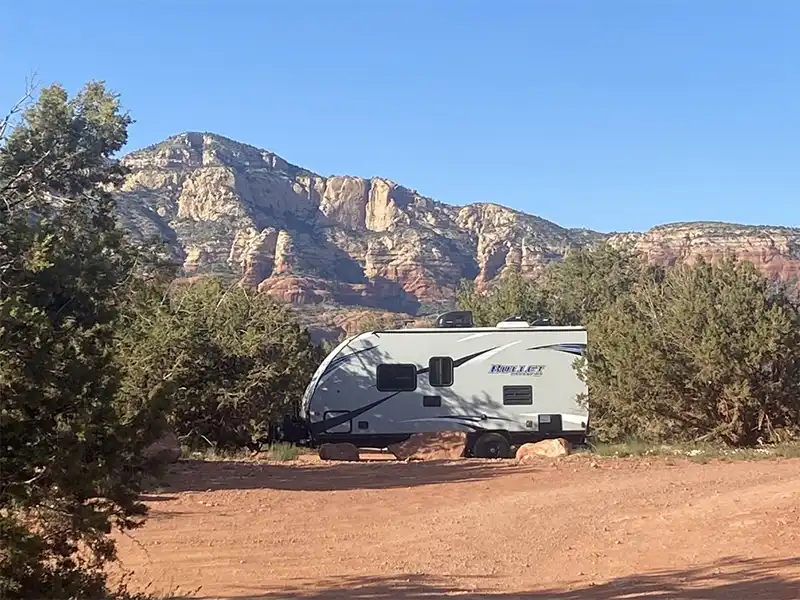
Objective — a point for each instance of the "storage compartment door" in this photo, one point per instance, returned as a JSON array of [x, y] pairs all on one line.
[[346, 427]]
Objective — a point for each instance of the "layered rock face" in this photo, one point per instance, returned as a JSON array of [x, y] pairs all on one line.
[[774, 250], [229, 208]]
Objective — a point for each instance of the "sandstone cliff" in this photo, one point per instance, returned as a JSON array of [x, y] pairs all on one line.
[[308, 239], [227, 207], [775, 250]]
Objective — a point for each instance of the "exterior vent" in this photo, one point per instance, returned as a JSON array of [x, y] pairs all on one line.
[[513, 323]]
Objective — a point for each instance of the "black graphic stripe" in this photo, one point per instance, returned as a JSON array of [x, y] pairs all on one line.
[[576, 349], [336, 363], [464, 359], [343, 359], [468, 418], [331, 422], [467, 424]]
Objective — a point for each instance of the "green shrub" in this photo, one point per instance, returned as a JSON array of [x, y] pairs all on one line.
[[708, 354], [71, 453]]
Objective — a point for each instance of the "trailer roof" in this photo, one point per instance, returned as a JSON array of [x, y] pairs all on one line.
[[482, 329]]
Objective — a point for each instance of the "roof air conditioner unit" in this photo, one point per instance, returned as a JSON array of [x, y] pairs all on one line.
[[455, 318]]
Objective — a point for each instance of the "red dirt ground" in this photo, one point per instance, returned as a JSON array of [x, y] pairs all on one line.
[[563, 529]]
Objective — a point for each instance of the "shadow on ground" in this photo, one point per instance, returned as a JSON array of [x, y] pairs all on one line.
[[728, 580], [198, 475]]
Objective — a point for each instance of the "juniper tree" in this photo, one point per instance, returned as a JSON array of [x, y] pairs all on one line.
[[69, 456], [565, 292], [238, 360], [712, 353]]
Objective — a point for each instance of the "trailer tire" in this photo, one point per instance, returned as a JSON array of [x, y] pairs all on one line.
[[491, 445]]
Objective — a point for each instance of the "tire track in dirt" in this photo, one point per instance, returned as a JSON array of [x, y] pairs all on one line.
[[556, 524]]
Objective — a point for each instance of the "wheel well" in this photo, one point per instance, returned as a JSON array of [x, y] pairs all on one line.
[[473, 436], [473, 439]]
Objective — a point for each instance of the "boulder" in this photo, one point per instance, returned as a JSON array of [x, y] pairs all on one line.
[[439, 445], [546, 448], [165, 450], [338, 452]]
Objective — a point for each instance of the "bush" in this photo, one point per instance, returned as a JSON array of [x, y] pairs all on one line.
[[512, 296], [691, 353], [100, 352], [237, 360], [70, 457], [283, 452], [565, 293], [711, 353]]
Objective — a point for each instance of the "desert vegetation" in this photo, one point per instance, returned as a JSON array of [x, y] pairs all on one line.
[[690, 353], [104, 348]]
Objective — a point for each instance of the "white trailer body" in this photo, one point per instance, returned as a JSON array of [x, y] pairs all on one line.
[[380, 387]]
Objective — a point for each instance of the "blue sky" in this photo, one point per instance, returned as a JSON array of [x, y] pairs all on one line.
[[614, 115]]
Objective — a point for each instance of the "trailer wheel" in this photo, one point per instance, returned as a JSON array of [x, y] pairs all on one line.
[[491, 445]]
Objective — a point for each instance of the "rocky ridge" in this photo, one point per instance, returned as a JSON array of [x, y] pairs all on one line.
[[230, 208], [774, 250]]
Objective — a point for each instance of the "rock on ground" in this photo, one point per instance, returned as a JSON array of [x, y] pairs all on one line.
[[165, 450], [547, 448], [439, 445], [338, 452]]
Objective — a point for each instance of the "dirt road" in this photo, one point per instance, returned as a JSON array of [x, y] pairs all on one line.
[[568, 529]]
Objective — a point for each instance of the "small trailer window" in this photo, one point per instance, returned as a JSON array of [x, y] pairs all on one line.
[[517, 395], [397, 378], [432, 401], [440, 371]]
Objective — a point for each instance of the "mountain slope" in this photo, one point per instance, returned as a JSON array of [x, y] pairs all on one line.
[[231, 208], [775, 250]]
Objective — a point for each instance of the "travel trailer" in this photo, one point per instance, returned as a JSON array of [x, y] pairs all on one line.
[[503, 386]]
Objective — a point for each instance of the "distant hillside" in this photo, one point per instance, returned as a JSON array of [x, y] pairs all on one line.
[[231, 208]]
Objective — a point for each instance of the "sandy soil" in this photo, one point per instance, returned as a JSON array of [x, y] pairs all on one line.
[[565, 529]]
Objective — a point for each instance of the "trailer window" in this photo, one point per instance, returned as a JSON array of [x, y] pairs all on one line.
[[397, 378], [517, 395], [432, 401], [440, 371]]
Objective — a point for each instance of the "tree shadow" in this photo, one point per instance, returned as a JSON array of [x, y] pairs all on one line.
[[346, 396], [730, 579], [198, 475]]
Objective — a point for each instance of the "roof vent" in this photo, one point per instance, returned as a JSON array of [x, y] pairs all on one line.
[[513, 323]]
